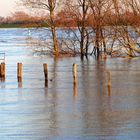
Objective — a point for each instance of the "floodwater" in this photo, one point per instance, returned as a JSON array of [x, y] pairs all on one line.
[[62, 111]]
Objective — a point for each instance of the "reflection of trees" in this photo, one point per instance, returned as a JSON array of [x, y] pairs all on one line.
[[52, 98], [53, 78], [52, 114], [101, 76], [95, 111]]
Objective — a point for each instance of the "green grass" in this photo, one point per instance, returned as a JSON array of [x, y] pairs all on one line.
[[10, 26]]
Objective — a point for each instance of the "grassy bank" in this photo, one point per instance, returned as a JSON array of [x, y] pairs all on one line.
[[10, 25]]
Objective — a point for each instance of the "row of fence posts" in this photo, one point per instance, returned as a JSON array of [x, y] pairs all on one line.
[[45, 66]]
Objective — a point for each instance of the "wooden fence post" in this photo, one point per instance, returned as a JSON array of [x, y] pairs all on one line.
[[75, 73], [74, 80], [45, 66], [19, 72], [2, 71]]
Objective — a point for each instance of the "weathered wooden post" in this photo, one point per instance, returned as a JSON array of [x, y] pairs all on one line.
[[19, 72], [109, 83], [74, 79], [2, 71], [46, 74]]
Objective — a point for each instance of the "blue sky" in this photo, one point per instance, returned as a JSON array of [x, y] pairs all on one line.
[[7, 7]]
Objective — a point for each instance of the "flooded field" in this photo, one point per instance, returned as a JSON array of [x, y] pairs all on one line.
[[33, 112]]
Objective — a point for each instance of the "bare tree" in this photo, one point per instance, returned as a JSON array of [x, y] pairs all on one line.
[[50, 7], [78, 10], [83, 7], [127, 32], [110, 21], [99, 12]]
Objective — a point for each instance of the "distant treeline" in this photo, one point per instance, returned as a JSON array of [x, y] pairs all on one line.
[[22, 19], [66, 19]]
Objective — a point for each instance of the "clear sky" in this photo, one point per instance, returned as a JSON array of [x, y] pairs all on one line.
[[7, 7]]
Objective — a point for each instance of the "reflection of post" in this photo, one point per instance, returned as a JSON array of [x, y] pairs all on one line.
[[19, 82], [46, 83], [2, 84], [109, 83], [74, 89], [19, 72], [74, 79], [46, 74], [105, 56], [29, 34]]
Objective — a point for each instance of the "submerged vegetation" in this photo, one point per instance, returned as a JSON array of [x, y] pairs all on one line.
[[88, 27]]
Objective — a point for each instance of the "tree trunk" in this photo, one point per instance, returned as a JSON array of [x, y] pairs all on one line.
[[103, 40], [82, 43], [97, 44], [53, 30], [87, 42], [55, 46]]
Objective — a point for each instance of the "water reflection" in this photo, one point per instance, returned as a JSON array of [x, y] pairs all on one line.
[[101, 76], [109, 82], [53, 116], [53, 77], [19, 82], [46, 83], [33, 110], [74, 89], [2, 83]]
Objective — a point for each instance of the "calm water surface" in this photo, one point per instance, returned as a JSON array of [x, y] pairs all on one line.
[[32, 112]]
